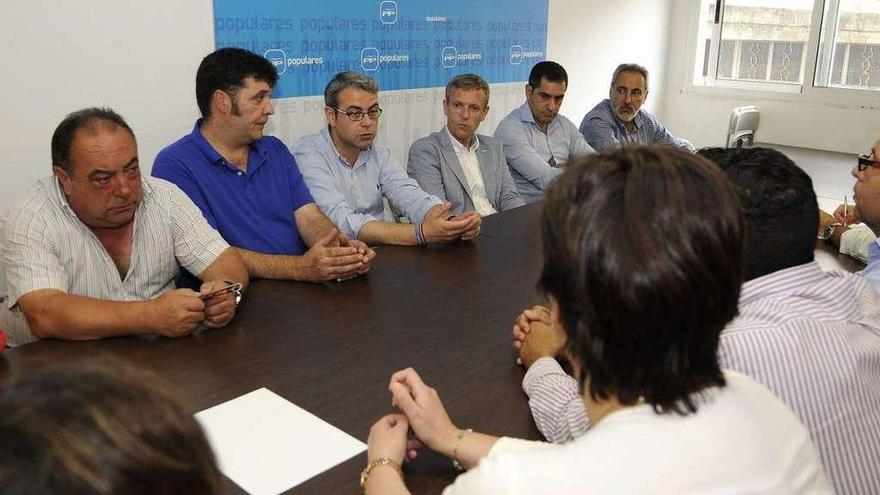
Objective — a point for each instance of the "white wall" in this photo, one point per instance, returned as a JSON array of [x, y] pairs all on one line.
[[590, 38], [835, 122], [140, 58], [136, 57]]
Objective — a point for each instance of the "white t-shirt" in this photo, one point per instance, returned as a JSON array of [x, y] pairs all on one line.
[[742, 440]]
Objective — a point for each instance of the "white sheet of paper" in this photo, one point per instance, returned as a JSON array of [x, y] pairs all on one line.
[[267, 445]]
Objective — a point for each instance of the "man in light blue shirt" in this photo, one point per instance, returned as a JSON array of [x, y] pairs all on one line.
[[620, 119], [348, 175], [537, 140], [867, 196]]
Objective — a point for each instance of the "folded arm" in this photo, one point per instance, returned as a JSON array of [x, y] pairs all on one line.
[[522, 157], [555, 401], [51, 313]]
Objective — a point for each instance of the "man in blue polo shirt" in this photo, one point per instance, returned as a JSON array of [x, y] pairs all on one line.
[[248, 185]]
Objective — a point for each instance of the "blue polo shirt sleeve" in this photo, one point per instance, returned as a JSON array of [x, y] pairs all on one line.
[[171, 168], [299, 191]]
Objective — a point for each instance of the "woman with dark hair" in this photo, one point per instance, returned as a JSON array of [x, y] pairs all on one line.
[[100, 427], [642, 267]]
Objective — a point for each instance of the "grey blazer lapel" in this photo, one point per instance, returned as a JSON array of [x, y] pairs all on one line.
[[451, 160], [487, 170]]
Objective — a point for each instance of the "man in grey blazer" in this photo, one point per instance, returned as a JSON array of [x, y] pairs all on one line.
[[458, 165]]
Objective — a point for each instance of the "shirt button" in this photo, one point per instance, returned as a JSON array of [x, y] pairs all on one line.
[[238, 173]]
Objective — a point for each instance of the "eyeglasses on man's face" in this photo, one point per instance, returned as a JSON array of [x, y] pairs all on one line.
[[866, 162], [358, 115]]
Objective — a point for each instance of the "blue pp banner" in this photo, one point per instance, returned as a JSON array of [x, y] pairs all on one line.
[[403, 44]]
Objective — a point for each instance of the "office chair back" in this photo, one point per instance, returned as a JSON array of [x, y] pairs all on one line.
[[743, 125]]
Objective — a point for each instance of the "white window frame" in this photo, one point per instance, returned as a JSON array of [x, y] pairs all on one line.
[[806, 92]]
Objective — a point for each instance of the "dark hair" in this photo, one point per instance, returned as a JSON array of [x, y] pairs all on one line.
[[226, 69], [467, 82], [779, 203], [100, 427], [348, 79], [551, 71], [643, 254], [88, 118]]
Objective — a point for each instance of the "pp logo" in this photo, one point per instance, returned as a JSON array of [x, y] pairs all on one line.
[[388, 12], [516, 54], [369, 58], [449, 57], [278, 58]]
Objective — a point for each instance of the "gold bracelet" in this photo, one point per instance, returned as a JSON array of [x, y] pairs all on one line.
[[457, 465], [382, 461]]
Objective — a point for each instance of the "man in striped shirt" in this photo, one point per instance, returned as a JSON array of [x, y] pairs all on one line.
[[811, 337], [621, 120], [94, 250]]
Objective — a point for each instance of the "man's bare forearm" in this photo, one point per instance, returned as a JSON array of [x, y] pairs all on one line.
[[228, 266], [379, 232], [271, 266], [55, 314], [312, 224]]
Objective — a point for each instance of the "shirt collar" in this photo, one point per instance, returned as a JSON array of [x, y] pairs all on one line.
[[328, 142], [214, 156], [639, 119], [525, 113], [458, 147], [782, 281]]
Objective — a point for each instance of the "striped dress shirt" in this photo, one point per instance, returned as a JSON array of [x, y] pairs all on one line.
[[811, 337], [603, 130], [46, 246]]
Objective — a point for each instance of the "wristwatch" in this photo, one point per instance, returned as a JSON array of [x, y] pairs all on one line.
[[828, 231], [235, 289]]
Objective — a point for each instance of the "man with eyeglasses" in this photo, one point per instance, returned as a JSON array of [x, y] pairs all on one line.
[[537, 140], [248, 185], [620, 119], [866, 210], [349, 175]]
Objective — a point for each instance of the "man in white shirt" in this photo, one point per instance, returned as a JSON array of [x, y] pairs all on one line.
[[94, 250], [458, 165]]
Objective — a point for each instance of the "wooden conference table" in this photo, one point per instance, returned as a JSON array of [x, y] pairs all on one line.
[[447, 311]]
